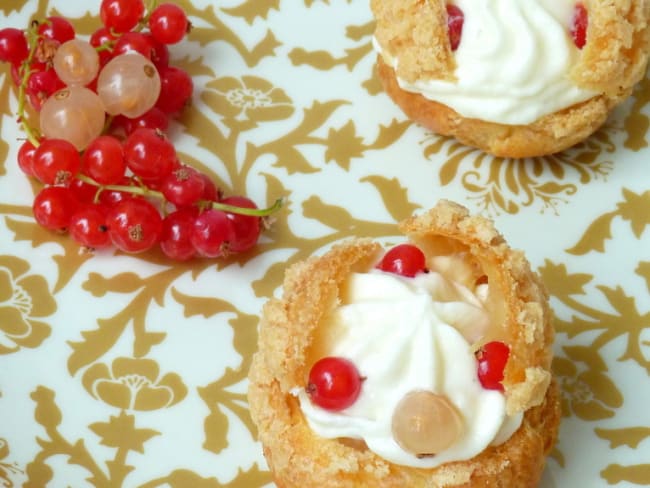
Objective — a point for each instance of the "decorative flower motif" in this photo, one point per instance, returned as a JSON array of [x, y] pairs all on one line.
[[588, 393], [250, 97], [24, 298], [134, 384]]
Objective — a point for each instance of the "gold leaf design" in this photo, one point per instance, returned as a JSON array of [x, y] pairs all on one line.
[[638, 474], [507, 185], [68, 263], [181, 478], [251, 9], [7, 470], [394, 196], [637, 123], [630, 436], [24, 299], [120, 432], [218, 30], [9, 6], [134, 384], [633, 209]]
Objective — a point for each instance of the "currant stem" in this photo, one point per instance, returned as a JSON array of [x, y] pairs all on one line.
[[32, 36], [145, 191]]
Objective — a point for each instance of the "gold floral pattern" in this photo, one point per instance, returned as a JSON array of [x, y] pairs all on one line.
[[25, 299], [134, 384], [110, 365]]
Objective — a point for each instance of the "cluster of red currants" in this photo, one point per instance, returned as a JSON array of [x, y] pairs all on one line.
[[111, 176], [335, 383]]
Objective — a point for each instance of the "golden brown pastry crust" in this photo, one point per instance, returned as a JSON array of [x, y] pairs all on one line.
[[299, 458], [613, 60]]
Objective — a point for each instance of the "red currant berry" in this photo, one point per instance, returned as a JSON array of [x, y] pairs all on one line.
[[53, 207], [134, 41], [210, 191], [212, 233], [56, 162], [41, 85], [404, 259], [154, 119], [168, 23], [175, 89], [103, 160], [183, 187], [579, 25], [26, 158], [111, 198], [159, 53], [57, 29], [176, 237], [246, 227], [13, 46], [455, 20], [492, 359], [149, 154], [121, 15], [134, 225], [84, 192], [103, 37], [88, 227], [334, 383]]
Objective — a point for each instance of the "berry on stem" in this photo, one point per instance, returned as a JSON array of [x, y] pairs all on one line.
[[149, 154], [54, 206], [212, 233], [88, 227], [134, 225], [103, 160], [176, 237], [404, 259], [334, 383], [57, 28], [13, 46], [121, 15], [168, 23], [246, 227], [492, 359], [56, 162]]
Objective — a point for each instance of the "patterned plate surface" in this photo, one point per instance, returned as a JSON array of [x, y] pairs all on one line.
[[123, 371]]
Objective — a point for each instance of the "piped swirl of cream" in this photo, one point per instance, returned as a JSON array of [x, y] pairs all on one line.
[[513, 62], [409, 334]]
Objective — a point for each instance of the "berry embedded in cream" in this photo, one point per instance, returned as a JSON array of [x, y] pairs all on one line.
[[512, 61], [413, 341]]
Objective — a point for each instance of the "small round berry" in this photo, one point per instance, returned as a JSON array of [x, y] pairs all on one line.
[[56, 162], [149, 154], [492, 359], [168, 23], [54, 206], [246, 227], [176, 237], [134, 225], [26, 158], [334, 383], [13, 46], [176, 88], [183, 186], [404, 259], [103, 160], [121, 15], [425, 423], [88, 227], [57, 29], [212, 234]]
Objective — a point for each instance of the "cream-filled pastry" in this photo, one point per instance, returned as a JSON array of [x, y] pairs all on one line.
[[515, 78], [425, 365]]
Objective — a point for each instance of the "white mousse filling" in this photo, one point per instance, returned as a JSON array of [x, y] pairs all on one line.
[[513, 62], [407, 334]]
